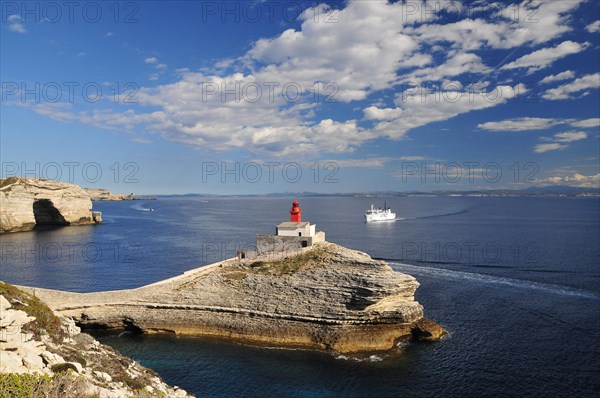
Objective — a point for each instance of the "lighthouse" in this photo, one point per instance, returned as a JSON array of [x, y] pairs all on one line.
[[290, 237], [295, 212], [297, 227]]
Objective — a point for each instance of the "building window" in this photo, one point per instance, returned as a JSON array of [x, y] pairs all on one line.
[[304, 243], [299, 233]]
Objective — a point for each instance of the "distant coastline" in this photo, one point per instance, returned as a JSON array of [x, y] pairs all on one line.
[[102, 194], [550, 191]]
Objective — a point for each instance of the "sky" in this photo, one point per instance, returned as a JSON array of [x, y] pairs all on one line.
[[227, 97]]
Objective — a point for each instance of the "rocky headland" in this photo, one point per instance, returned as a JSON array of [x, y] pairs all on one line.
[[42, 355], [324, 297], [28, 202], [98, 194]]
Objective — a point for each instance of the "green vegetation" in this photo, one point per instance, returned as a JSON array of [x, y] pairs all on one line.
[[63, 367], [289, 265], [74, 354], [129, 381], [66, 382], [34, 385], [14, 385], [46, 321], [235, 276], [8, 181]]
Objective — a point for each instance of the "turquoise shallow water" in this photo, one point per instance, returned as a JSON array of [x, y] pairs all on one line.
[[516, 281]]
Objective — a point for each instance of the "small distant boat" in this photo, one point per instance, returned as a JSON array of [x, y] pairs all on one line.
[[379, 214]]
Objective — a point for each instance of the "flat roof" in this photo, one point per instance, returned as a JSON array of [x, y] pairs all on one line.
[[292, 225]]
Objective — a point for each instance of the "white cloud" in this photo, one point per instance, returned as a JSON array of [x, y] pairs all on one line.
[[15, 24], [368, 163], [560, 139], [417, 110], [570, 136], [537, 22], [519, 124], [56, 111], [566, 90], [140, 140], [456, 65], [81, 54], [543, 58], [413, 158], [536, 123], [576, 179], [373, 47], [566, 75], [109, 34], [587, 123], [360, 54], [541, 148], [593, 27]]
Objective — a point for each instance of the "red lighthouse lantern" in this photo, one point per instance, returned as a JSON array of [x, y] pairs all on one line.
[[295, 212]]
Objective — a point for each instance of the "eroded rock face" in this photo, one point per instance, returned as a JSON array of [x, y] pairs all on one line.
[[329, 298], [27, 202]]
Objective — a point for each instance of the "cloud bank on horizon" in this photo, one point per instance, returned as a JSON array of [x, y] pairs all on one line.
[[348, 75]]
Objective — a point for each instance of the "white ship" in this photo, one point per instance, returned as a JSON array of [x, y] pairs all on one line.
[[379, 214]]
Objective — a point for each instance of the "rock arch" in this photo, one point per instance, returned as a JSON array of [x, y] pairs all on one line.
[[29, 202], [45, 213]]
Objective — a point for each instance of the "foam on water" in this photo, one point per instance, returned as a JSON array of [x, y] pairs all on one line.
[[491, 279], [140, 207]]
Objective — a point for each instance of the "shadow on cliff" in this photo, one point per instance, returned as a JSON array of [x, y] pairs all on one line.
[[46, 214]]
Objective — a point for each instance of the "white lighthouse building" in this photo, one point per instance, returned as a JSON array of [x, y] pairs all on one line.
[[296, 227], [289, 236]]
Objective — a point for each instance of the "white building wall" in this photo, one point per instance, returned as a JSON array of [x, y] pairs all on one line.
[[308, 230]]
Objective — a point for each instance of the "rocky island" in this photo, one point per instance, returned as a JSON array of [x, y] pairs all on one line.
[[323, 297], [28, 202]]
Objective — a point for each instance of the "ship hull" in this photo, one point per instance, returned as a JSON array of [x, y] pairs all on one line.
[[380, 218]]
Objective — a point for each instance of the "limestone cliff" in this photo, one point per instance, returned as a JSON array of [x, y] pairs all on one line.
[[326, 297], [44, 356], [104, 194], [27, 202]]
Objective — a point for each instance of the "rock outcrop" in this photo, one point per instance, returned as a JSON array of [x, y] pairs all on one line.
[[27, 202], [104, 194], [327, 297], [74, 363]]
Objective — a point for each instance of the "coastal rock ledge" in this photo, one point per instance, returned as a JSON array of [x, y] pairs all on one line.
[[27, 202], [324, 297]]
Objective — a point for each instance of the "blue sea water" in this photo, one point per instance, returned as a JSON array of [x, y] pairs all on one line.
[[515, 281]]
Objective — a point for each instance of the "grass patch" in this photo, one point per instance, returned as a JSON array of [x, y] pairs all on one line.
[[129, 381], [8, 181], [45, 320], [14, 385], [235, 276], [63, 367], [34, 385], [290, 265], [72, 355]]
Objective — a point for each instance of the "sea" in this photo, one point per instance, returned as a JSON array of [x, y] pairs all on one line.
[[514, 280]]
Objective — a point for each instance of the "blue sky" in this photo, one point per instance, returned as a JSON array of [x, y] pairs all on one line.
[[240, 97]]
